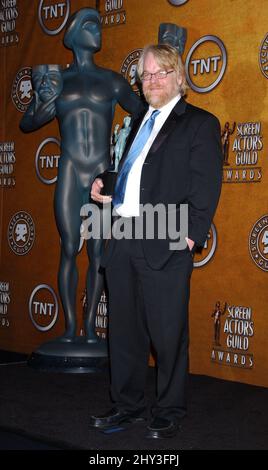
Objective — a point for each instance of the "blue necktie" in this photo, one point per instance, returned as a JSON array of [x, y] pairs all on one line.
[[134, 152]]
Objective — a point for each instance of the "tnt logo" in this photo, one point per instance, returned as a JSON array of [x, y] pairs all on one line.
[[209, 248], [206, 64], [129, 69], [47, 160], [21, 233], [43, 307], [177, 3], [22, 90], [53, 15]]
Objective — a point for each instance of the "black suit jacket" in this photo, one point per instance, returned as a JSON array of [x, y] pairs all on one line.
[[183, 165]]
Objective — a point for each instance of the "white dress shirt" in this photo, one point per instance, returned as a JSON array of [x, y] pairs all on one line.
[[130, 206]]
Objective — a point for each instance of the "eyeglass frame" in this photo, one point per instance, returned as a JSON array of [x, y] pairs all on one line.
[[164, 73]]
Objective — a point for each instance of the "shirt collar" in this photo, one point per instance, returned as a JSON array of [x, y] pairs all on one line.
[[167, 107]]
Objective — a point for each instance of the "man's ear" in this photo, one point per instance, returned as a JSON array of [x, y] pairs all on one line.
[[179, 80]]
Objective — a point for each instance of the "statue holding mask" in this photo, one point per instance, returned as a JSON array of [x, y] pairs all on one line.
[[82, 97]]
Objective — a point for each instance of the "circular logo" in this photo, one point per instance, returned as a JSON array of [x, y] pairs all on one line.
[[177, 3], [258, 243], [263, 56], [129, 69], [21, 233], [43, 307], [47, 160], [200, 259], [22, 90], [206, 63], [53, 15]]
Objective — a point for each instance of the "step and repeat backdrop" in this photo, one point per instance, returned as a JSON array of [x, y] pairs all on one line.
[[226, 57]]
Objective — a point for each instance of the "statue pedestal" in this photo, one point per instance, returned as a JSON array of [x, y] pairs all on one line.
[[77, 356]]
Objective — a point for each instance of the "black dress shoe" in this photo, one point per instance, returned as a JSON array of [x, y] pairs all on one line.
[[162, 428], [115, 417]]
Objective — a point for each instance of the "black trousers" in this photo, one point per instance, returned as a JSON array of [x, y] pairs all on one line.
[[145, 306]]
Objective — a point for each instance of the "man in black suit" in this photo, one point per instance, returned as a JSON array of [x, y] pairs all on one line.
[[148, 282]]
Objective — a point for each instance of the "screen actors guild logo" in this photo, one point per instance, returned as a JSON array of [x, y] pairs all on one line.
[[235, 324], [53, 15], [43, 307], [114, 13], [21, 233], [22, 90], [102, 317], [263, 56], [206, 63], [7, 164], [225, 136], [258, 243], [8, 16], [246, 147], [5, 299], [129, 69], [101, 321]]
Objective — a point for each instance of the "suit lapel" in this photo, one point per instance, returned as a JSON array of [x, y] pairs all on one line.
[[168, 125], [164, 132], [134, 129]]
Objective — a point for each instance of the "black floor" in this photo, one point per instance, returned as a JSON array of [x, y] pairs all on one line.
[[10, 440], [11, 357], [50, 411]]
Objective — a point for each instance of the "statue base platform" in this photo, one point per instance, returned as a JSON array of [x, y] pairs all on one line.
[[77, 356]]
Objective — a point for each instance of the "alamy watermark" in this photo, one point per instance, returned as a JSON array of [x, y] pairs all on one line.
[[158, 221]]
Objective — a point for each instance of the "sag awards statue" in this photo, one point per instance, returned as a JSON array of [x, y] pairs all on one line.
[[120, 141], [82, 97], [225, 136], [217, 313]]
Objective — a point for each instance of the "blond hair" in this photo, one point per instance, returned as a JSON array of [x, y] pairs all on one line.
[[167, 57]]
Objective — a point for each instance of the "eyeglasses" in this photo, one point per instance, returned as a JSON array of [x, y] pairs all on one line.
[[158, 75]]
